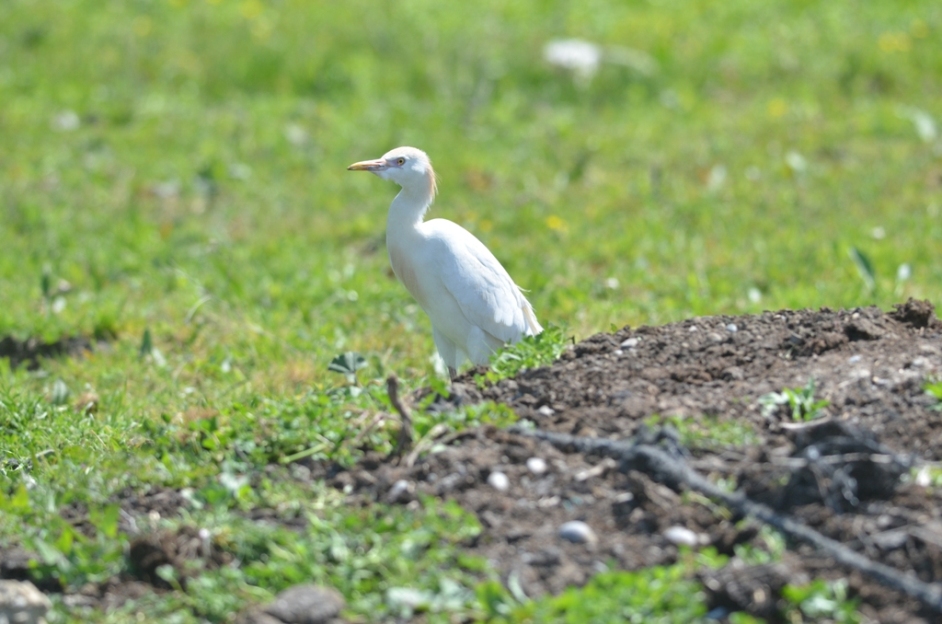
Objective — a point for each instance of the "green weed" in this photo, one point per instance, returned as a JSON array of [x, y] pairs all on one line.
[[531, 352], [800, 401], [934, 389], [824, 600], [659, 594], [708, 431]]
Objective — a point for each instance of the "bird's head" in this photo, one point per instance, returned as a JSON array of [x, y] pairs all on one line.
[[408, 167]]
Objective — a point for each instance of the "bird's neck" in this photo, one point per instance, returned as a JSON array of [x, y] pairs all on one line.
[[407, 210]]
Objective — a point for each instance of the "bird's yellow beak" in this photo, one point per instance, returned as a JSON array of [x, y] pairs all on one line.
[[368, 165]]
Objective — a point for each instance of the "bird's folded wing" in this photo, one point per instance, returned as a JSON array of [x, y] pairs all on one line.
[[484, 291]]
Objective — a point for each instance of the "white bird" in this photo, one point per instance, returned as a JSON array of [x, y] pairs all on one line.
[[474, 305]]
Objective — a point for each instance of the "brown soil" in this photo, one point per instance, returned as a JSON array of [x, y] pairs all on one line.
[[847, 474]]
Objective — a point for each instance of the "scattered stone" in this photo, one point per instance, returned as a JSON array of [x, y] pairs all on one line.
[[402, 491], [22, 603], [301, 604], [577, 532], [732, 328], [499, 481], [681, 536], [631, 343], [537, 465], [306, 604], [546, 410]]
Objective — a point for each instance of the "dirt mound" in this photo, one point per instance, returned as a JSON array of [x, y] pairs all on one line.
[[858, 376]]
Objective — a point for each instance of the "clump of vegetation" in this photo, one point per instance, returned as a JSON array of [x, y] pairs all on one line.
[[530, 352], [708, 431], [934, 389], [801, 402]]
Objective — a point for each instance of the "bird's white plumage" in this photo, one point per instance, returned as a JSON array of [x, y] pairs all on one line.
[[474, 305]]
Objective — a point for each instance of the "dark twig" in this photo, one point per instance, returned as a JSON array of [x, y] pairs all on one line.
[[404, 441], [674, 471]]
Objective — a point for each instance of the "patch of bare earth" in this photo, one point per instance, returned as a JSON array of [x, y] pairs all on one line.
[[845, 476]]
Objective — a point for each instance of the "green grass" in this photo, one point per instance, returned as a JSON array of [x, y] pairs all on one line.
[[934, 389], [799, 402], [708, 432], [172, 180]]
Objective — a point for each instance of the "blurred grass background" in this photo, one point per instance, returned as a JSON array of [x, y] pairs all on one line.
[[178, 167]]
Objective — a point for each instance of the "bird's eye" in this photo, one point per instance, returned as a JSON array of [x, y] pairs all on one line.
[[401, 161]]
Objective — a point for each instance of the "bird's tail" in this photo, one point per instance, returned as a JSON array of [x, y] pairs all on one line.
[[533, 325]]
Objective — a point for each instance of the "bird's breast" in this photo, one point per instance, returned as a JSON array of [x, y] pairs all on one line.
[[404, 268]]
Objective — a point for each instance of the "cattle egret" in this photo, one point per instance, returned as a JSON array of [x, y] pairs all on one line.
[[474, 305]]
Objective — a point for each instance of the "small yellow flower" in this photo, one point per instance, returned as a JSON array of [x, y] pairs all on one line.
[[894, 42], [486, 225], [919, 29], [555, 223], [777, 108]]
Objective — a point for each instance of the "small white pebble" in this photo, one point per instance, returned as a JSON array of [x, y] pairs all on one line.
[[618, 352], [731, 328], [499, 481], [693, 328], [577, 532], [537, 465], [681, 536], [399, 492], [923, 477], [630, 343], [546, 410], [854, 359]]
